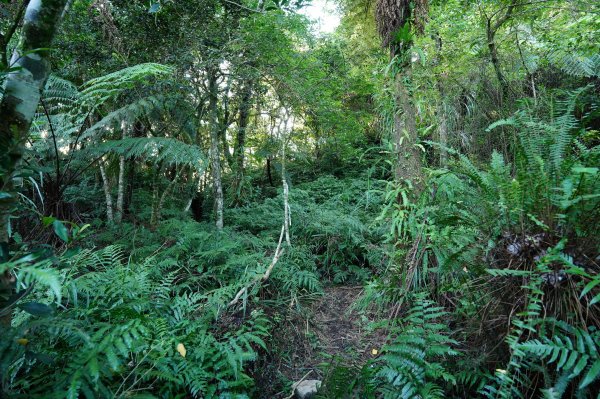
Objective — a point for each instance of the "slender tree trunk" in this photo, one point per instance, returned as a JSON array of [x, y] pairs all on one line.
[[22, 92], [5, 39], [240, 143], [161, 203], [408, 167], [491, 39], [121, 181], [120, 190], [224, 122], [441, 107], [287, 220], [269, 174], [283, 136], [214, 146], [443, 131], [491, 30], [137, 130], [106, 184]]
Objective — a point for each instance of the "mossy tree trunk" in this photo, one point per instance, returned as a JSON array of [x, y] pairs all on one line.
[[215, 153], [22, 92], [240, 142], [397, 21], [408, 169]]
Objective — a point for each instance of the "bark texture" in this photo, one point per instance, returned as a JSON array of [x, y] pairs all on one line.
[[121, 181], [107, 195], [240, 142], [215, 161], [22, 93], [491, 30], [408, 167], [392, 16]]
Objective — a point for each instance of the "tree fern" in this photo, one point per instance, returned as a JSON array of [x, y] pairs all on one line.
[[155, 149], [97, 91]]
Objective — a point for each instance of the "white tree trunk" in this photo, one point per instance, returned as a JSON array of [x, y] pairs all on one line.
[[109, 204], [22, 91], [287, 220], [121, 181]]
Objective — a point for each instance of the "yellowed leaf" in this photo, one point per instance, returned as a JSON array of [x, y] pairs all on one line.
[[23, 341], [374, 351], [181, 349]]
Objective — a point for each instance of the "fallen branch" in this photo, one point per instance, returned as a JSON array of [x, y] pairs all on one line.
[[265, 276], [295, 385]]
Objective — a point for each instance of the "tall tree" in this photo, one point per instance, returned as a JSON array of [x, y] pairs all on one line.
[[240, 142], [215, 153], [22, 92], [397, 22]]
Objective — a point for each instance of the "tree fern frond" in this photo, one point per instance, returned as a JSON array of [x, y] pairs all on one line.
[[97, 91], [153, 149], [575, 64]]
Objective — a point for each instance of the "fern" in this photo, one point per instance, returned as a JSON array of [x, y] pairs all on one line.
[[574, 64], [97, 91], [410, 365], [151, 107], [576, 353], [118, 330], [155, 149]]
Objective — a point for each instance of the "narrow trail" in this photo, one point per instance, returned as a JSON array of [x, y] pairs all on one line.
[[332, 331]]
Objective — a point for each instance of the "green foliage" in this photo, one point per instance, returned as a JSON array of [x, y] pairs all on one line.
[[503, 238], [164, 150], [97, 91], [330, 226], [527, 225], [119, 330], [412, 365], [552, 188], [565, 355]]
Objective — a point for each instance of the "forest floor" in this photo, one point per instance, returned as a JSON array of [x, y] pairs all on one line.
[[329, 332]]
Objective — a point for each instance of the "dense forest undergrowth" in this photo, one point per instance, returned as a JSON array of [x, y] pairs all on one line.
[[214, 199]]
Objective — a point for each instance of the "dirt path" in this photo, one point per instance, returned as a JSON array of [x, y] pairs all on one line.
[[331, 331]]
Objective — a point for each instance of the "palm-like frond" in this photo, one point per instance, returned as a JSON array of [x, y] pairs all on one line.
[[154, 149]]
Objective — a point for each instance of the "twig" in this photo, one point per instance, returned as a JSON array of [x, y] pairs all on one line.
[[295, 385]]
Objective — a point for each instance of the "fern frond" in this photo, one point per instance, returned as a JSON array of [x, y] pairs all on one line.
[[153, 149]]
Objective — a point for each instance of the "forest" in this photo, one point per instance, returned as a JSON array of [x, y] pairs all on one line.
[[229, 199]]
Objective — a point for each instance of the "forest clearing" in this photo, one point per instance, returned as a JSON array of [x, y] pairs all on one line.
[[300, 199]]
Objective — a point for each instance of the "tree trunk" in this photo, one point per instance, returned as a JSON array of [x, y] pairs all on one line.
[[215, 154], [161, 203], [491, 39], [22, 92], [5, 39], [121, 181], [408, 168], [441, 107], [109, 204], [287, 221], [491, 30], [269, 174], [240, 143], [443, 130]]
